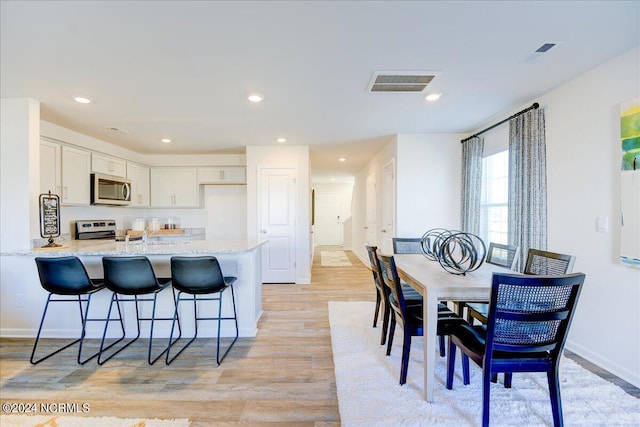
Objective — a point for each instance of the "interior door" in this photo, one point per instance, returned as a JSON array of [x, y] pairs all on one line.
[[388, 206], [278, 207], [371, 225], [328, 222]]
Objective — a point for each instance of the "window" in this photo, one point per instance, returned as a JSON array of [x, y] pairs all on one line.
[[494, 218]]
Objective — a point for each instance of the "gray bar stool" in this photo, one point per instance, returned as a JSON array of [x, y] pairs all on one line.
[[132, 279], [202, 280], [66, 280]]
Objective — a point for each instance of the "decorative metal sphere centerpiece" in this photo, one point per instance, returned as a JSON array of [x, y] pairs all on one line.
[[456, 251]]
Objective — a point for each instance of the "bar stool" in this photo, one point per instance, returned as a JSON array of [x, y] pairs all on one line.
[[64, 278], [132, 279], [201, 278]]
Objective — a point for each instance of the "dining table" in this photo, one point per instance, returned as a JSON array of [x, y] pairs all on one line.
[[435, 284]]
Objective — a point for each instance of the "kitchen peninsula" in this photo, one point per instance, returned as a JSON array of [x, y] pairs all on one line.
[[240, 258]]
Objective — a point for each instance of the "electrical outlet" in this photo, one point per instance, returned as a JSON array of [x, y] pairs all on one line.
[[20, 300]]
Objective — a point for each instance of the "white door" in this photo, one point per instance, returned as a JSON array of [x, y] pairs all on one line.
[[388, 207], [278, 208], [371, 225], [328, 221]]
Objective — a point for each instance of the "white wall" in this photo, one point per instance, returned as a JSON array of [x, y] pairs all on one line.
[[583, 169], [283, 157], [427, 183]]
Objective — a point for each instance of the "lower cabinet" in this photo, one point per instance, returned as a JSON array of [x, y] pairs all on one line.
[[174, 188]]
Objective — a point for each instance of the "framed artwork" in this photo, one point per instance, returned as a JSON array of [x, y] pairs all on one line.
[[630, 183]]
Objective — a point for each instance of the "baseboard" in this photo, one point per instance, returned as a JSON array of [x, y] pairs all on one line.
[[606, 364]]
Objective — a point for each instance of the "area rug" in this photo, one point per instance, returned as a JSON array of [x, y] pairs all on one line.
[[369, 393], [334, 259], [69, 421]]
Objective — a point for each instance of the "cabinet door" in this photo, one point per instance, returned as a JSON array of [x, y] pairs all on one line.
[[76, 170], [139, 176], [50, 165], [211, 175], [185, 188], [222, 175], [233, 175], [108, 165], [161, 188]]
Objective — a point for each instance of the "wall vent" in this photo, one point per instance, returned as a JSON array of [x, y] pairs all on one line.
[[394, 81], [116, 130]]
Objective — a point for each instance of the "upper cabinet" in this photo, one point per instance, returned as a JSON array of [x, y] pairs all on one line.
[[139, 176], [174, 188], [76, 170], [108, 165], [50, 167], [222, 175]]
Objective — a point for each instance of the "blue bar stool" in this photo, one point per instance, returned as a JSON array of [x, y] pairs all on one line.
[[66, 280], [132, 279], [202, 280]]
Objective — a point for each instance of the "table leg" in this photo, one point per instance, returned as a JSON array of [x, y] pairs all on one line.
[[430, 324]]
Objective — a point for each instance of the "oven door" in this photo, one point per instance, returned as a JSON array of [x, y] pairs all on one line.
[[110, 190]]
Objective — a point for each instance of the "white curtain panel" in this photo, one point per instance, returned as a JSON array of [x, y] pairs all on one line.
[[471, 184], [528, 182]]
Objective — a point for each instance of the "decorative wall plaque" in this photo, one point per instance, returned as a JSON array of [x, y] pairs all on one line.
[[49, 218]]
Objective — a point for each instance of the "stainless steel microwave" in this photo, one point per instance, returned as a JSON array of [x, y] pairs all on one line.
[[110, 190]]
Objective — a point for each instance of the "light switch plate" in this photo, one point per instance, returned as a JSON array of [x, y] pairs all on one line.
[[602, 224]]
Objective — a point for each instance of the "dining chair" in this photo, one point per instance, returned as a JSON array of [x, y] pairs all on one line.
[[538, 263], [529, 318], [132, 279], [408, 316], [66, 280], [506, 256], [199, 279], [382, 294]]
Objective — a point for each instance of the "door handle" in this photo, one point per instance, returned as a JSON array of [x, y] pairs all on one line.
[[264, 231]]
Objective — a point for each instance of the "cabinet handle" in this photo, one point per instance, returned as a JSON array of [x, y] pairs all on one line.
[[222, 174], [65, 193]]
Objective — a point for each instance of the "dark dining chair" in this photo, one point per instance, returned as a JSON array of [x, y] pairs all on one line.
[[529, 318], [538, 263], [132, 279], [66, 280], [409, 317], [199, 279], [382, 294]]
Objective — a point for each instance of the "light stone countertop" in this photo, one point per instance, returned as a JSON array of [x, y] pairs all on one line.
[[154, 247]]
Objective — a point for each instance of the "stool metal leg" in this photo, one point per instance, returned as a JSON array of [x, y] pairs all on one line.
[[234, 318], [35, 345], [115, 298]]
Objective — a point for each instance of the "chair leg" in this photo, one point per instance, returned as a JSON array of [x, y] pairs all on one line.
[[507, 379], [35, 344], [554, 396], [441, 345], [386, 312], [486, 389], [176, 318], [114, 297], [451, 361], [375, 314], [392, 331], [465, 369], [220, 318], [406, 350]]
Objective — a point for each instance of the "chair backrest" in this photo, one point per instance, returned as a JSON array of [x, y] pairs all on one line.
[[129, 275], [503, 255], [391, 280], [375, 267], [531, 314], [548, 263], [196, 274], [62, 275], [407, 245]]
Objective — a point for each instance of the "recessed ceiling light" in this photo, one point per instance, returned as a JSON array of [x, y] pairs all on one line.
[[82, 99], [281, 140], [165, 140], [432, 97], [255, 97], [342, 159], [333, 179]]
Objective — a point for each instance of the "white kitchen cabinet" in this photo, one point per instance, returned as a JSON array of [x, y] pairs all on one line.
[[50, 167], [139, 176], [108, 165], [174, 188], [222, 175], [76, 171]]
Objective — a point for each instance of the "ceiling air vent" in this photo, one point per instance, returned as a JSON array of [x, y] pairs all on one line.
[[116, 130], [416, 81]]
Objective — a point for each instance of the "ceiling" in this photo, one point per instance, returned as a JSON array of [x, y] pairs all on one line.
[[183, 70]]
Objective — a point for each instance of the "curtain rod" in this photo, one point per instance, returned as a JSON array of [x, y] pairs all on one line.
[[533, 107]]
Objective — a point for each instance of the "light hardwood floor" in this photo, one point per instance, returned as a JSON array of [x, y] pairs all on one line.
[[282, 377]]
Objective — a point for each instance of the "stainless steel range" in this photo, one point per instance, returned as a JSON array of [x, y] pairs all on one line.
[[95, 229]]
